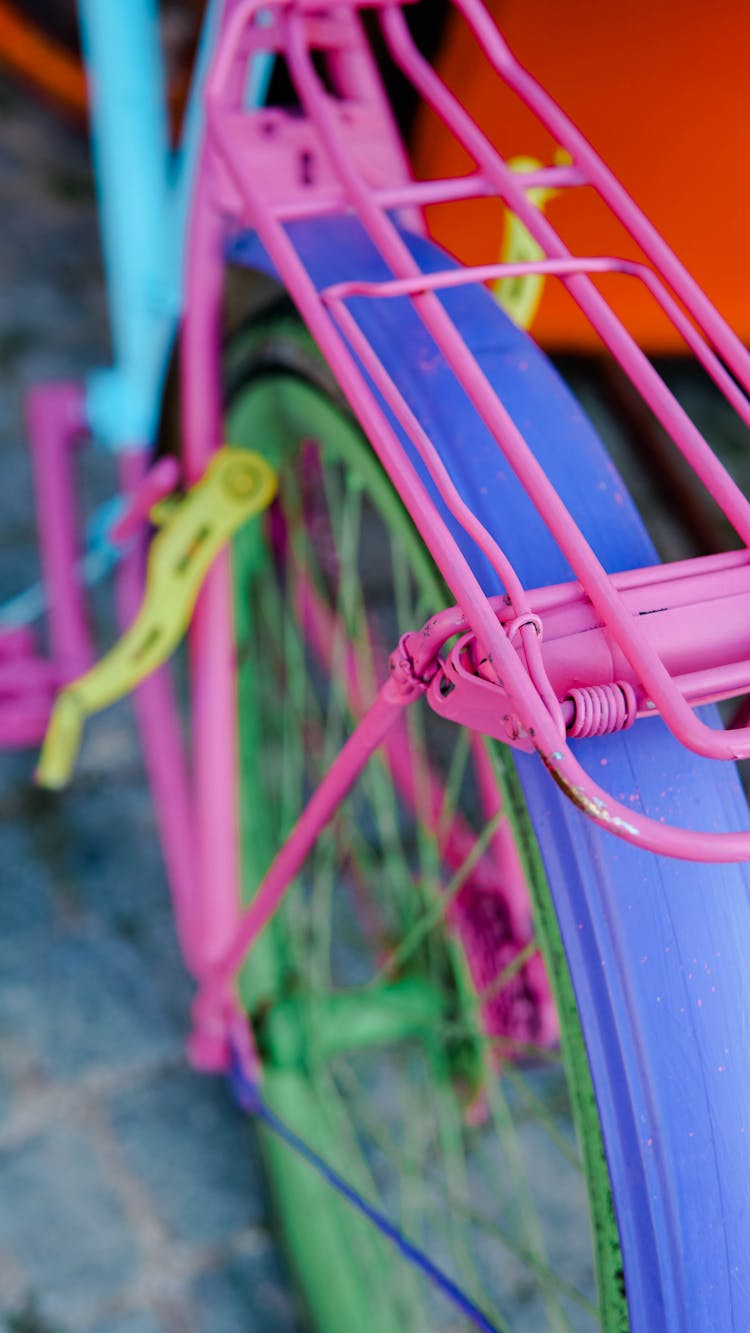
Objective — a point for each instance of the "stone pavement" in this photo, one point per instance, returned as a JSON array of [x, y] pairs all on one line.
[[131, 1194]]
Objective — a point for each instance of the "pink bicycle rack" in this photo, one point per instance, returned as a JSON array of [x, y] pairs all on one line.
[[690, 648]]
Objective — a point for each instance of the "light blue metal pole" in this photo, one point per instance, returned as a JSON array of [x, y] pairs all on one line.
[[131, 155], [144, 194]]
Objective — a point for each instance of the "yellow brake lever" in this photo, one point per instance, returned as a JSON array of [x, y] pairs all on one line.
[[520, 297], [236, 485]]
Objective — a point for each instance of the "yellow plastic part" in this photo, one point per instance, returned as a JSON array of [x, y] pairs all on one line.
[[236, 485], [520, 297]]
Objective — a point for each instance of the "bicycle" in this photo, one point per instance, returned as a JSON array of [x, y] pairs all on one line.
[[450, 977]]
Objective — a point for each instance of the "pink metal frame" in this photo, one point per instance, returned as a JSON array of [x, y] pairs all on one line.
[[28, 682], [540, 689]]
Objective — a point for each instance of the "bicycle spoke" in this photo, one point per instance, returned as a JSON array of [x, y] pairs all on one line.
[[530, 1230], [454, 782], [510, 971], [386, 872], [542, 1116], [436, 913], [457, 1201]]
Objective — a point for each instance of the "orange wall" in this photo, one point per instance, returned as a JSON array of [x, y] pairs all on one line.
[[662, 90]]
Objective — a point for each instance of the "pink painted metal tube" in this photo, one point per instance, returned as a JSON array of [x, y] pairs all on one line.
[[397, 253], [160, 479], [695, 613], [23, 723], [565, 133], [343, 773], [414, 781], [280, 249], [417, 194], [27, 686], [246, 11], [16, 643], [56, 420], [30, 673], [435, 534], [214, 704], [639, 369], [559, 268], [355, 75], [161, 739]]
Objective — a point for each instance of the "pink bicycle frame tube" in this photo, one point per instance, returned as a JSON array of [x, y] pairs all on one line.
[[56, 421], [159, 726], [214, 716]]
